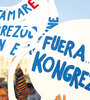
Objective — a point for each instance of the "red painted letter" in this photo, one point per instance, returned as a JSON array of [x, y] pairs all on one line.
[[32, 4]]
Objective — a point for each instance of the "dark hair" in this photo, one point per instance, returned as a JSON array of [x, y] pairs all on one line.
[[3, 85]]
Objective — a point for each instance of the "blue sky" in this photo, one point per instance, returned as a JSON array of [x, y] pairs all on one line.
[[67, 9]]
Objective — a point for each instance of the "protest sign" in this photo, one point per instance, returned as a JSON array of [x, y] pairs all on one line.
[[16, 34], [60, 64]]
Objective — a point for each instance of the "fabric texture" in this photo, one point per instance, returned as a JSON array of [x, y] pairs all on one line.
[[22, 90]]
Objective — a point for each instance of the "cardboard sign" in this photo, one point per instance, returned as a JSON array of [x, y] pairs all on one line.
[[61, 62]]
